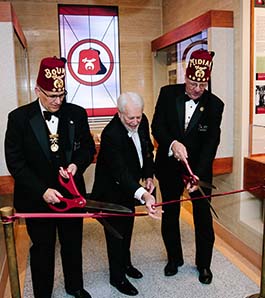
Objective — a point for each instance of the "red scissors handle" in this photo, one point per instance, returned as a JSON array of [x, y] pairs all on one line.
[[69, 204], [77, 202], [69, 184], [192, 179]]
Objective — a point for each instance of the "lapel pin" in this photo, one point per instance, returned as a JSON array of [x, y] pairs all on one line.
[[201, 109]]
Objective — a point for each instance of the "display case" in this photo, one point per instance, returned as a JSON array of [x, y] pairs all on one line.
[[254, 163]]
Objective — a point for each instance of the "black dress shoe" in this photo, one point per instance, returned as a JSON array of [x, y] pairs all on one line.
[[205, 275], [172, 267], [125, 287], [133, 272], [79, 293]]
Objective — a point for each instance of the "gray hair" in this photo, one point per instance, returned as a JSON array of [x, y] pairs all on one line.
[[132, 97]]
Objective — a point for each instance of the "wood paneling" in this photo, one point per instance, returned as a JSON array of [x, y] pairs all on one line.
[[139, 23], [212, 18], [223, 165], [6, 185], [254, 174]]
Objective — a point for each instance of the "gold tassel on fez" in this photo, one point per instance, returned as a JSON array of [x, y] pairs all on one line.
[[54, 138]]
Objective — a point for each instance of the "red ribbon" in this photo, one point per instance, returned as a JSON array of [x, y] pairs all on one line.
[[212, 195], [6, 219]]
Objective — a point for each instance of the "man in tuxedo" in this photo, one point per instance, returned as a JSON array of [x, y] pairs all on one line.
[[125, 158], [186, 126], [44, 139]]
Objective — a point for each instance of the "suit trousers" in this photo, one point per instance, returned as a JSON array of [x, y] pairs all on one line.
[[170, 228], [119, 254], [43, 233]]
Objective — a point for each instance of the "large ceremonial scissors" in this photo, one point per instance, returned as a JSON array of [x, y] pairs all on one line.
[[78, 201], [193, 180]]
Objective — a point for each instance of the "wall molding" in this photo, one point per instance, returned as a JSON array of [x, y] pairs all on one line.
[[212, 18], [7, 14], [239, 246]]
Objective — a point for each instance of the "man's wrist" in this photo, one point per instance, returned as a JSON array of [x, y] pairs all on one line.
[[139, 195], [170, 151]]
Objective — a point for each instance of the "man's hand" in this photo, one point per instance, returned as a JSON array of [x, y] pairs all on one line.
[[149, 204], [72, 168], [191, 187], [51, 196], [149, 185], [179, 151]]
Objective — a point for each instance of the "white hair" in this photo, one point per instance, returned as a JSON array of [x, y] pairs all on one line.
[[132, 97]]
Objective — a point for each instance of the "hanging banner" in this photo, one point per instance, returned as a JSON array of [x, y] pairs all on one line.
[[89, 40]]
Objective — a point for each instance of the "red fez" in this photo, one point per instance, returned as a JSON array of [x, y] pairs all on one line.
[[52, 74], [200, 66]]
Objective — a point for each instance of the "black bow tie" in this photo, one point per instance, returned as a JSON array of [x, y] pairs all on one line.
[[188, 99], [47, 115]]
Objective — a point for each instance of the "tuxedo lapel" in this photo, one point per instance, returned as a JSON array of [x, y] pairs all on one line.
[[67, 129], [180, 108], [71, 134], [129, 143], [40, 130], [143, 141]]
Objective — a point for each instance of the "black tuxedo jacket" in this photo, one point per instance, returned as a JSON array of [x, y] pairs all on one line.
[[201, 137], [118, 170], [28, 154]]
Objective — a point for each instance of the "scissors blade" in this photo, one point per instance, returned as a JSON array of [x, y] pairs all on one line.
[[109, 228], [106, 206], [211, 207], [206, 184]]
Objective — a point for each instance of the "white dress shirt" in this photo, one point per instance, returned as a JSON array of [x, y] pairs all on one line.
[[190, 107], [136, 140]]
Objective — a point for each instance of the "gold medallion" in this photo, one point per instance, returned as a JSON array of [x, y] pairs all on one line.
[[54, 139], [54, 147]]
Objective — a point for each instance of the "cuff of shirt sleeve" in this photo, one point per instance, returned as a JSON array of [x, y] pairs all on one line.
[[170, 152], [139, 193]]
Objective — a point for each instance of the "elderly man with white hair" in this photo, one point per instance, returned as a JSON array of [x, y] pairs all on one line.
[[124, 160]]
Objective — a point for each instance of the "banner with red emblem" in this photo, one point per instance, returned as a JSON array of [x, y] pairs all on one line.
[[89, 38]]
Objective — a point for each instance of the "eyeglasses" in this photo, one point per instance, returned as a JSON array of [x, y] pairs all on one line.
[[55, 96], [194, 85]]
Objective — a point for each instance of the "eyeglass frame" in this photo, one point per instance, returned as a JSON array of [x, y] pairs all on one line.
[[194, 85], [53, 97]]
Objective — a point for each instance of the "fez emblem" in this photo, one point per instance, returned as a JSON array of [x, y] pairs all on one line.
[[200, 71], [90, 63]]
